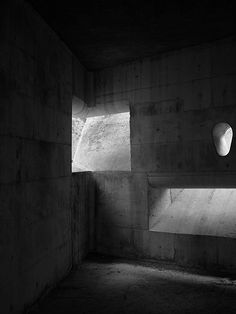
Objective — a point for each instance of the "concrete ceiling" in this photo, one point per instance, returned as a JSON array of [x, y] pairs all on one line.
[[107, 33]]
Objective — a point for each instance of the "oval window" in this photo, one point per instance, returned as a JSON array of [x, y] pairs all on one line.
[[222, 136]]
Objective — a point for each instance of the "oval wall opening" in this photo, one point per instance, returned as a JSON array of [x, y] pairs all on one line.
[[222, 136]]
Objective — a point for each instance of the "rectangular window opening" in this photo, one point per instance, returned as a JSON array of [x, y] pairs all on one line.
[[101, 143]]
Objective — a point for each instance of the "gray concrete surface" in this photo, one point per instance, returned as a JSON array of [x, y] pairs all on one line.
[[35, 155], [119, 286], [123, 226], [83, 212], [47, 221], [175, 101], [105, 33]]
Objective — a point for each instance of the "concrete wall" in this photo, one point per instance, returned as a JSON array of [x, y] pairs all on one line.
[[83, 211], [122, 226], [35, 155], [175, 100]]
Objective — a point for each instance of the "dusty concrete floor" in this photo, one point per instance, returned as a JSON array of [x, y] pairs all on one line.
[[118, 286]]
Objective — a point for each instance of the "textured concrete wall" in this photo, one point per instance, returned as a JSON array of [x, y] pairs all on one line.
[[175, 100], [122, 225], [83, 211], [35, 156]]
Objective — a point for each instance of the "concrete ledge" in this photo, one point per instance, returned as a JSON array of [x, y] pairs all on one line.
[[193, 180]]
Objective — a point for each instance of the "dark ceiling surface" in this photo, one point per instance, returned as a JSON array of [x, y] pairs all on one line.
[[107, 33]]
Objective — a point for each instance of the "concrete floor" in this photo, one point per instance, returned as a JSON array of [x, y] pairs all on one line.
[[107, 286]]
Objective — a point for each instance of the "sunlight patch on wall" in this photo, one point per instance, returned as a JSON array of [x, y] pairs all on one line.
[[193, 211], [77, 127]]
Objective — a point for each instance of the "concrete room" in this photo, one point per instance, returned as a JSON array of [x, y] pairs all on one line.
[[118, 157]]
